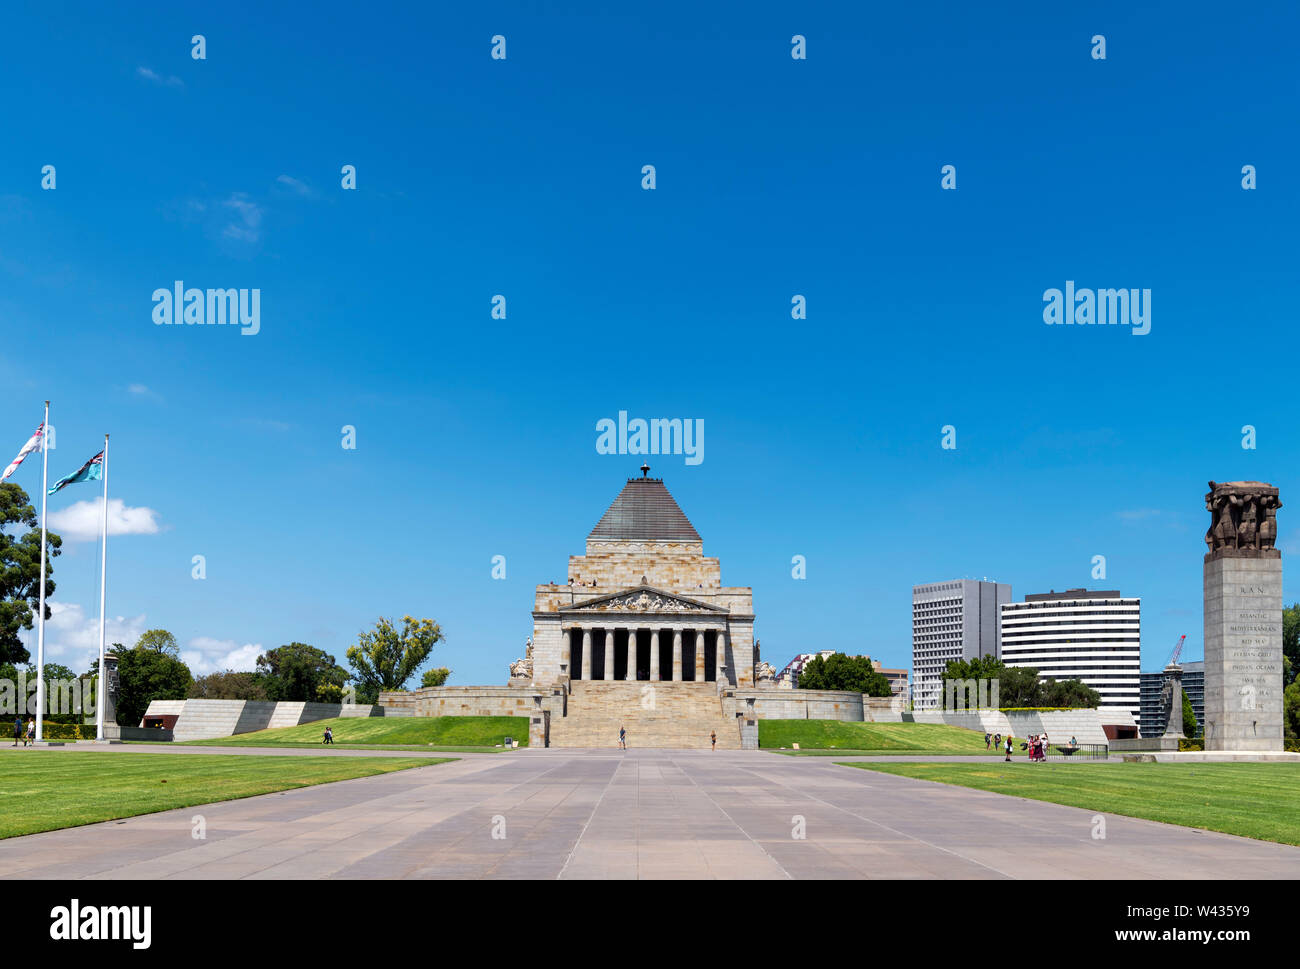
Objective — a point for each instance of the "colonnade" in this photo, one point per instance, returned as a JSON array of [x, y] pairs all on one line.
[[641, 653]]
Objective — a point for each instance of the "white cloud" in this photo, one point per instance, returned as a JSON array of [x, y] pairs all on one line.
[[297, 185], [208, 655], [81, 522], [171, 80], [247, 228], [138, 389], [72, 637]]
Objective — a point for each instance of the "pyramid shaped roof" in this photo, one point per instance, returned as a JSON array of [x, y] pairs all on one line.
[[644, 511]]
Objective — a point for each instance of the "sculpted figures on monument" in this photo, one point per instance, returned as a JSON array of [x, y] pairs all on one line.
[[1268, 525], [1243, 519], [523, 668]]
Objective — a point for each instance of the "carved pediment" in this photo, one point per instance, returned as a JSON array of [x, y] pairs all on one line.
[[645, 600]]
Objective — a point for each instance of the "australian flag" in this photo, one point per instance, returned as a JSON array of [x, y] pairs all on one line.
[[92, 470]]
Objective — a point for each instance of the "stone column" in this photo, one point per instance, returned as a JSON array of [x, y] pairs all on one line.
[[699, 656], [609, 654], [586, 654], [629, 673], [677, 655], [1243, 619], [654, 655], [721, 660], [566, 653]]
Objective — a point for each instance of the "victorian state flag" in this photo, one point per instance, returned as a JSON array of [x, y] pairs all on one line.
[[92, 470], [32, 444]]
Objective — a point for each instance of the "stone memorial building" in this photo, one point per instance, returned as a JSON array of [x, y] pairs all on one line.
[[644, 603]]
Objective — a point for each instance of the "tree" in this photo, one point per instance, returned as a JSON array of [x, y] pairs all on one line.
[[160, 641], [1021, 686], [842, 672], [1067, 693], [1291, 710], [385, 658], [301, 672], [230, 685], [20, 570], [148, 672], [1291, 640], [1191, 726], [435, 677]]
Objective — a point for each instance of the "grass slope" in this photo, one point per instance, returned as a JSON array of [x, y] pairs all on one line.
[[391, 731], [45, 790], [882, 738], [1252, 800]]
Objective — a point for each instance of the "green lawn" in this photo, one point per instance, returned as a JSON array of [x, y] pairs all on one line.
[[842, 736], [44, 790], [441, 732], [1253, 800]]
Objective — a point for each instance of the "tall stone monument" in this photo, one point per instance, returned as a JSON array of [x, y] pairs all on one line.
[[1243, 618]]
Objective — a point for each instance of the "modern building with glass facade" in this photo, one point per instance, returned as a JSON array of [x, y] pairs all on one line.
[[1080, 634], [950, 621]]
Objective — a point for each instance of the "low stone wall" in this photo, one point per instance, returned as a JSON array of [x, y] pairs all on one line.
[[206, 719], [1059, 725], [463, 701], [147, 734], [538, 705], [804, 704]]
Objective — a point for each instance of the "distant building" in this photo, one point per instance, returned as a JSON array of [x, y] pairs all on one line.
[[951, 621], [788, 678], [1080, 634], [789, 675], [1155, 715], [898, 680]]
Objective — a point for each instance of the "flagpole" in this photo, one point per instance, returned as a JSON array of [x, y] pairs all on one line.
[[40, 628], [103, 578]]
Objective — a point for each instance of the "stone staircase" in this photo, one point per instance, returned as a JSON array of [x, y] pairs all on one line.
[[673, 715]]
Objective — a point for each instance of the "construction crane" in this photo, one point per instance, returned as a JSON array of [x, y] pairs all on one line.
[[1178, 650]]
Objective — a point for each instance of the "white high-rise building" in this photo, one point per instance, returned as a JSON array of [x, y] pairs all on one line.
[[951, 620], [1092, 636]]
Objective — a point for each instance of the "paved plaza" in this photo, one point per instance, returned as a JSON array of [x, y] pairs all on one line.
[[639, 814]]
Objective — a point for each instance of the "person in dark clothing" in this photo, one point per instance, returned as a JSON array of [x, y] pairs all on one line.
[[18, 730]]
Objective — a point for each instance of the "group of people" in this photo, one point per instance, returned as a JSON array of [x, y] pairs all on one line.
[[329, 736], [27, 736], [1037, 746], [995, 741]]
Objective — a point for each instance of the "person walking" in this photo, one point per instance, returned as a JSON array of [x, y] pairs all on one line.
[[713, 740], [18, 729], [31, 732], [1008, 748], [988, 739], [997, 741], [1043, 740], [622, 737]]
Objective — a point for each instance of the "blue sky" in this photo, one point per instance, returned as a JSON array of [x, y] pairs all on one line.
[[476, 177]]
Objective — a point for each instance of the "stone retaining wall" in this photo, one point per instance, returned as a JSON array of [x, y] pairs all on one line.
[[804, 704], [205, 719], [1059, 725]]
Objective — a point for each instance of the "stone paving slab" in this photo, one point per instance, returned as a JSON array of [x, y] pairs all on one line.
[[638, 814]]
